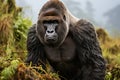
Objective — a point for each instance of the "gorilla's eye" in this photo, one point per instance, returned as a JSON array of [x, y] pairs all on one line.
[[51, 22], [64, 17]]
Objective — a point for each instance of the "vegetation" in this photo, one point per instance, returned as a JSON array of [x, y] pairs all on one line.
[[13, 34], [111, 52]]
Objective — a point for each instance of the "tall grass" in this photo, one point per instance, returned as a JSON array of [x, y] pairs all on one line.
[[111, 52]]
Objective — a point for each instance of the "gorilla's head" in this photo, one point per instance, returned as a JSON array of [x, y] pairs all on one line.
[[52, 25]]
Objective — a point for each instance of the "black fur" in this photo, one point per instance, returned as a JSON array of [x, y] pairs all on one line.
[[91, 62], [87, 64], [35, 48], [90, 55]]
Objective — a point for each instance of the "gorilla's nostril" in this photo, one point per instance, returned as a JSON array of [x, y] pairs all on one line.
[[50, 31]]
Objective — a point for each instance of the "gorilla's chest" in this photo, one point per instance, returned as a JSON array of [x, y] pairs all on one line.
[[66, 52]]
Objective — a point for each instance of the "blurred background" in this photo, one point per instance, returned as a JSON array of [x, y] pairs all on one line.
[[17, 16]]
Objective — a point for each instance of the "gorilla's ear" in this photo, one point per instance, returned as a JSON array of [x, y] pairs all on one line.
[[34, 47], [84, 35]]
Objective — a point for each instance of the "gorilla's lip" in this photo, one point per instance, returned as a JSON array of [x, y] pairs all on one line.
[[51, 40]]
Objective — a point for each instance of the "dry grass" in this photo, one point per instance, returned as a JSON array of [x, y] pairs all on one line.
[[111, 52], [29, 73], [5, 28]]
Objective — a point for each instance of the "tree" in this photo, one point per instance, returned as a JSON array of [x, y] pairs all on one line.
[[113, 20], [90, 10], [75, 8]]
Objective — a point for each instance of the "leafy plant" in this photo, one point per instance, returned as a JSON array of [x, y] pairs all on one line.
[[8, 72], [20, 29]]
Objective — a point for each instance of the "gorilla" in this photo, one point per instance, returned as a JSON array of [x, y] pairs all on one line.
[[69, 44]]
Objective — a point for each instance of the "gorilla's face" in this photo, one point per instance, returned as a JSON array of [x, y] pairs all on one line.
[[50, 31], [52, 27]]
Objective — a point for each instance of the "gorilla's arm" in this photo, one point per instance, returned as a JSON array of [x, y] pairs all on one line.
[[89, 52], [35, 48]]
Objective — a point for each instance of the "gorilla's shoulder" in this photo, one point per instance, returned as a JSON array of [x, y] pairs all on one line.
[[32, 28], [83, 22]]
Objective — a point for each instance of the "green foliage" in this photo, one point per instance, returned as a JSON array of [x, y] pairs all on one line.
[[8, 14], [108, 76], [20, 29], [111, 58], [13, 34], [111, 52], [9, 7], [113, 73], [8, 72]]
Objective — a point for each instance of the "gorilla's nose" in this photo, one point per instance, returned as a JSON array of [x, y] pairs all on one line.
[[50, 32]]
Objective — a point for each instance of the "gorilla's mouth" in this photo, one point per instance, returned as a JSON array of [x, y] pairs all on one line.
[[51, 40]]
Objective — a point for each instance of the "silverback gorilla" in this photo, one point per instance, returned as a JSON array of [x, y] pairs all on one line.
[[67, 43]]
